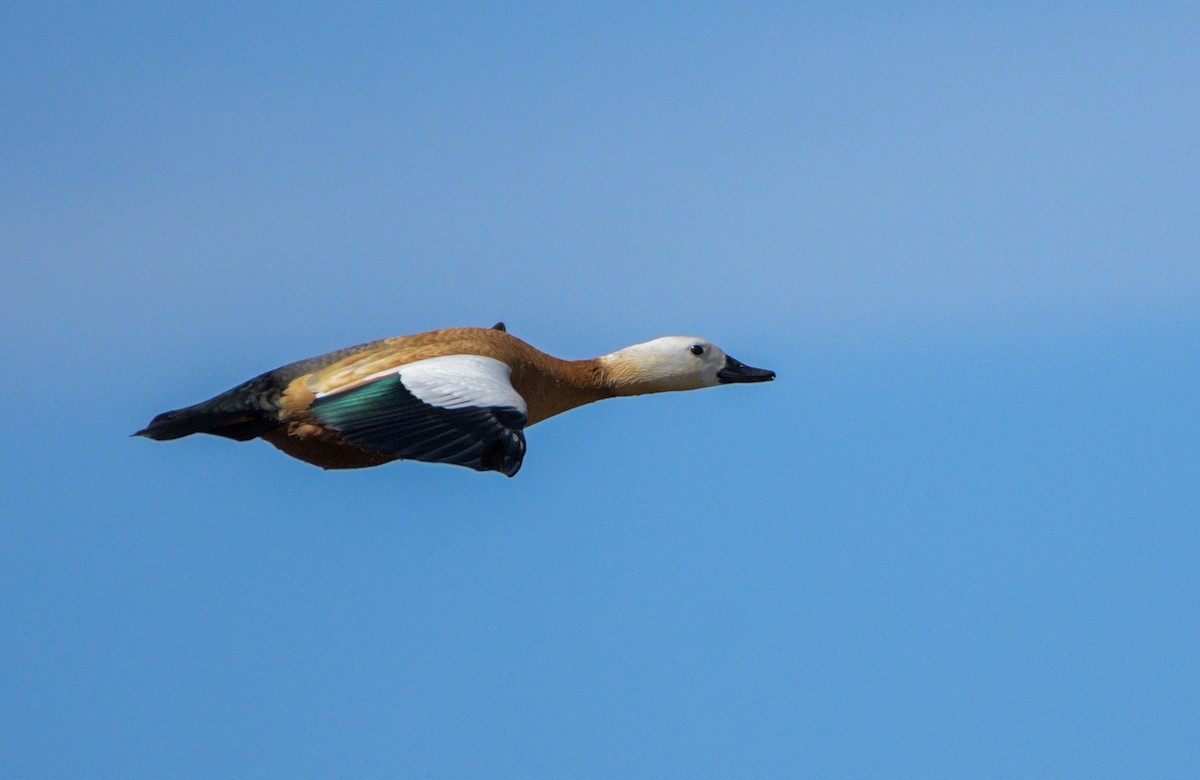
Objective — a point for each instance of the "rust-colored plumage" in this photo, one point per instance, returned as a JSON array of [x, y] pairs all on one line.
[[370, 404]]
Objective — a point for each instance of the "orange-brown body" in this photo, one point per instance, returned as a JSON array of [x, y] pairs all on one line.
[[550, 386]]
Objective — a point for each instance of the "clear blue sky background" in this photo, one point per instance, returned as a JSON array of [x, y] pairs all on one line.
[[958, 537]]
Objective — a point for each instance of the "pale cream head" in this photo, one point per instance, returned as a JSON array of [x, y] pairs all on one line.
[[675, 363]]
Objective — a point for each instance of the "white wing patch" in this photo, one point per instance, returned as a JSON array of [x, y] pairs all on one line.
[[457, 381]]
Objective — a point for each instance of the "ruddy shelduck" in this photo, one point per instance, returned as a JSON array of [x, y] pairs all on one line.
[[461, 395]]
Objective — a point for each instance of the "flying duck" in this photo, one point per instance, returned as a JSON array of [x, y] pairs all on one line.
[[460, 395]]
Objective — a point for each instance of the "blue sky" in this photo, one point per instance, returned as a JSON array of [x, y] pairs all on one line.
[[957, 537]]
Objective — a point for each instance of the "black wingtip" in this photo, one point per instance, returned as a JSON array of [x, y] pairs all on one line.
[[498, 456]]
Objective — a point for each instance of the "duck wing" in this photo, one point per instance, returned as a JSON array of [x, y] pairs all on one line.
[[458, 409]]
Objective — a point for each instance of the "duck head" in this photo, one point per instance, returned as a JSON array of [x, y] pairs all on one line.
[[676, 363]]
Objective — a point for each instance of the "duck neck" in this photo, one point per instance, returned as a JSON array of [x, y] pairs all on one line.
[[624, 373], [551, 386]]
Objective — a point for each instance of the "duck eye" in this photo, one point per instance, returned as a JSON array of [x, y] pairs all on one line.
[[697, 349]]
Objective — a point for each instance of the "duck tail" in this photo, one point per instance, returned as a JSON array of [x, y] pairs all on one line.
[[239, 414]]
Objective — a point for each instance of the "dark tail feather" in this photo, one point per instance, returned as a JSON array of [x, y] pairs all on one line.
[[237, 414], [184, 422]]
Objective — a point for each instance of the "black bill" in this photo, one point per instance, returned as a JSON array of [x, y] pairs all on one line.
[[736, 371]]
